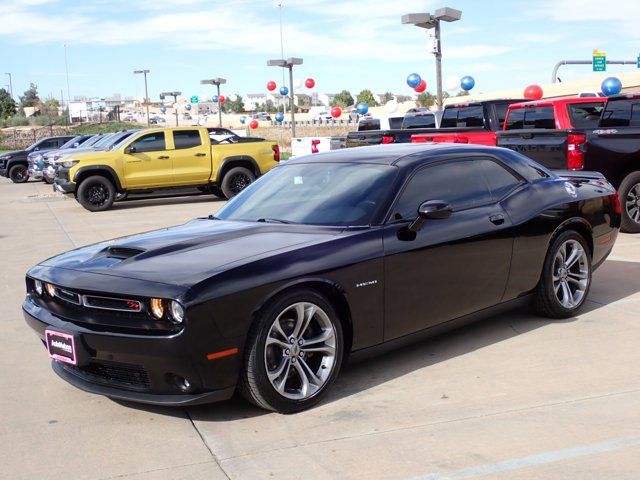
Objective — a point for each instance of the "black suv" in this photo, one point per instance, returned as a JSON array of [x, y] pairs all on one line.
[[14, 165]]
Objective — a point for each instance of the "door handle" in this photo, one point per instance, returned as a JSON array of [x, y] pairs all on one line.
[[497, 219], [201, 154], [163, 157]]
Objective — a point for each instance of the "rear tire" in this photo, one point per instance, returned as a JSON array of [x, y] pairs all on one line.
[[236, 180], [96, 193], [19, 173], [629, 192], [566, 277], [293, 353]]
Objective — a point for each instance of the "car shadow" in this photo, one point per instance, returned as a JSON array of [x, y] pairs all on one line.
[[140, 201], [357, 377]]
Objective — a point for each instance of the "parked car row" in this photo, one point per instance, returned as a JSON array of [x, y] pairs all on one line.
[[575, 133], [100, 169]]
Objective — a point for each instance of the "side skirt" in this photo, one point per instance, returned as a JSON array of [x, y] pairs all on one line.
[[436, 330]]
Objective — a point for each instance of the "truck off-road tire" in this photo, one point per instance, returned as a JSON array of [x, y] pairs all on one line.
[[566, 277], [293, 353], [19, 173], [236, 180], [629, 193], [96, 193]]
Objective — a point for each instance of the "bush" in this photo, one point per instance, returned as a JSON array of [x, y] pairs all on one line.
[[109, 127], [46, 121], [15, 121]]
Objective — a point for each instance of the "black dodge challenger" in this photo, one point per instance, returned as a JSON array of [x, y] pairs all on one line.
[[327, 256]]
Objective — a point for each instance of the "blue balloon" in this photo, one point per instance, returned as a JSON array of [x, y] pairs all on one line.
[[467, 83], [611, 86], [414, 80], [279, 117], [362, 108], [215, 99], [284, 91], [243, 119], [163, 109], [187, 107]]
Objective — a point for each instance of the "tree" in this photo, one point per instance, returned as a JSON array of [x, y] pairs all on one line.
[[235, 106], [30, 97], [425, 100], [462, 93], [50, 107], [7, 104], [386, 97], [366, 96], [342, 100]]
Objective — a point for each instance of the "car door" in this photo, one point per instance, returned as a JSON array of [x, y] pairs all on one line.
[[453, 266], [191, 156], [147, 163]]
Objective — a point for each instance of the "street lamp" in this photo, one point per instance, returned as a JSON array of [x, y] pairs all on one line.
[[428, 21], [146, 92], [217, 82], [10, 85], [288, 63], [175, 95]]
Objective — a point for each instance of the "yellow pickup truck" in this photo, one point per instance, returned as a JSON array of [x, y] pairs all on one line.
[[212, 159]]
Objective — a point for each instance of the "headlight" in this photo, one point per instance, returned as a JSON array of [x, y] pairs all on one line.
[[51, 290], [177, 312], [69, 163], [37, 284], [157, 307]]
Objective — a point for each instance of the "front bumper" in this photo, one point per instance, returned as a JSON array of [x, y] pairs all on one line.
[[62, 186], [3, 172], [139, 367], [35, 174]]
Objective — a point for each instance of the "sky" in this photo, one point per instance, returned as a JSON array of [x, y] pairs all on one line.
[[346, 44]]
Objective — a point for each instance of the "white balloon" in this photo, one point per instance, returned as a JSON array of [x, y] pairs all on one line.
[[298, 83], [452, 83], [233, 97], [391, 106]]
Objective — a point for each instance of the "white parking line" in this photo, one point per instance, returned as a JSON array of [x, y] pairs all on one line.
[[539, 459]]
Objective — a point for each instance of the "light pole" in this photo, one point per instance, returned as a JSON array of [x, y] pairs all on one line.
[[175, 101], [428, 21], [288, 63], [10, 85], [217, 82], [66, 67], [146, 92]]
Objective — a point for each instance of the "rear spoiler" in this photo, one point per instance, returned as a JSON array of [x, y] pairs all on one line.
[[579, 174]]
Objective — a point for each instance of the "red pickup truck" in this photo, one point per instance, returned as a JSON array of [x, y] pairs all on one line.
[[475, 122]]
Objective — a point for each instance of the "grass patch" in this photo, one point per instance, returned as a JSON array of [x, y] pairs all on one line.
[[110, 127]]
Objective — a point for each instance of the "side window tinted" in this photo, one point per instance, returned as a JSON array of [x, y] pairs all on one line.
[[500, 180], [585, 115], [616, 114], [186, 139], [501, 113], [531, 117], [461, 184], [151, 142], [468, 116]]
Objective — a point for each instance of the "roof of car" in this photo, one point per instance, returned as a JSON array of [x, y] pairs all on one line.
[[400, 154]]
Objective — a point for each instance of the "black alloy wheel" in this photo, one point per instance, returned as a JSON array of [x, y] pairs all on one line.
[[19, 174], [96, 193], [236, 180]]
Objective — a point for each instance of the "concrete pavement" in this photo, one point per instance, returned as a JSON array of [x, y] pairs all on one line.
[[516, 396]]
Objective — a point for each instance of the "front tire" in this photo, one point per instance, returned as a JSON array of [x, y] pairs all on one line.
[[96, 193], [630, 198], [236, 180], [293, 353], [566, 277], [19, 173]]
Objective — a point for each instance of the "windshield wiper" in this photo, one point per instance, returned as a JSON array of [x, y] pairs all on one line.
[[273, 220]]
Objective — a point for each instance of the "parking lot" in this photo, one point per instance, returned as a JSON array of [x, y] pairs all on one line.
[[516, 396]]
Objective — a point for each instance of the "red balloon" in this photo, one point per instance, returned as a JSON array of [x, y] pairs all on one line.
[[310, 83], [422, 87], [271, 85], [254, 124], [221, 99], [336, 112], [533, 92]]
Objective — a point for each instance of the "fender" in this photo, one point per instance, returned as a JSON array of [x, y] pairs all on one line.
[[99, 168], [236, 158]]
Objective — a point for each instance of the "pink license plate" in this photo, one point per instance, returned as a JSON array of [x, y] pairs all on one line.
[[61, 346]]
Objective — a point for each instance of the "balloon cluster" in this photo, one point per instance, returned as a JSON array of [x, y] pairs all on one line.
[[416, 82], [611, 86], [309, 83]]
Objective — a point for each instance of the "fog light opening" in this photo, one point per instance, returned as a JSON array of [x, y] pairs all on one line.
[[182, 383]]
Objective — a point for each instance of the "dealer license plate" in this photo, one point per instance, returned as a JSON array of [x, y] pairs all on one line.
[[61, 346]]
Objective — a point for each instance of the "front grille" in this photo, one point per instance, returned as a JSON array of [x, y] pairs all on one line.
[[67, 295], [63, 174], [109, 303], [119, 375]]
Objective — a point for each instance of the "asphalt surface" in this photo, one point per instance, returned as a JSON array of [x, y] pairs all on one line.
[[515, 396]]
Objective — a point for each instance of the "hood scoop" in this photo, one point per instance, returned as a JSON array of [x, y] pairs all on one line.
[[121, 253]]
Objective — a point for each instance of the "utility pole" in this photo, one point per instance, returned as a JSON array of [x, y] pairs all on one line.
[[288, 63], [146, 93], [66, 67], [10, 85], [175, 101], [217, 82]]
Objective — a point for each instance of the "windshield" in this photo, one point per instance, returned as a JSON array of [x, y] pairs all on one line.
[[314, 193], [71, 142], [103, 141]]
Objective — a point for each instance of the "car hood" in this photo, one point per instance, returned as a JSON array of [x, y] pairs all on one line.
[[188, 254], [13, 153], [82, 154]]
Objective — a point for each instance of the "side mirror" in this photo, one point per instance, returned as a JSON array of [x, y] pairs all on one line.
[[130, 149], [36, 149], [430, 210]]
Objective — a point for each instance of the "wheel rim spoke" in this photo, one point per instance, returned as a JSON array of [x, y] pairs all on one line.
[[570, 274], [296, 366]]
